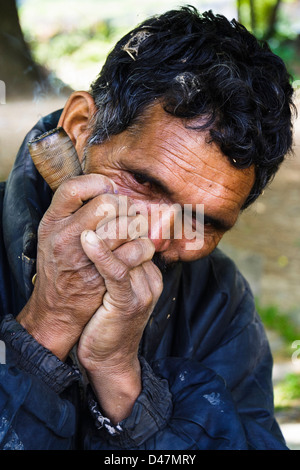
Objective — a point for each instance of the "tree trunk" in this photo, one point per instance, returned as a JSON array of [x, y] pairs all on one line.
[[239, 14], [22, 76], [252, 16], [273, 20]]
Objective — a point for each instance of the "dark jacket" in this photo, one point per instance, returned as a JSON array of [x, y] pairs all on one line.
[[206, 363]]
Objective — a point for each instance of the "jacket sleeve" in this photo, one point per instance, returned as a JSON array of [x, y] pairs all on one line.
[[222, 400], [219, 403], [201, 414], [33, 414]]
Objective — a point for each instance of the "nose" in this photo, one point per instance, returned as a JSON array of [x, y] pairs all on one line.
[[159, 244], [164, 223]]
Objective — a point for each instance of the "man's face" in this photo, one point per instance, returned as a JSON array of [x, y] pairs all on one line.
[[158, 162]]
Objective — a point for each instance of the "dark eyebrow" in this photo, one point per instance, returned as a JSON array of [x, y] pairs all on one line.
[[153, 180], [218, 224]]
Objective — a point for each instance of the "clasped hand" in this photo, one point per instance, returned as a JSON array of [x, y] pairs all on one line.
[[92, 290]]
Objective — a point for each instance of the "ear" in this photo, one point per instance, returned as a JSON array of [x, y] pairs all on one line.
[[76, 119]]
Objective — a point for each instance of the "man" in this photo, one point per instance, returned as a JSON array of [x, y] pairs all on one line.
[[141, 342]]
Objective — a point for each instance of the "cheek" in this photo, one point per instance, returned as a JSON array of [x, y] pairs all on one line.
[[192, 249], [176, 242]]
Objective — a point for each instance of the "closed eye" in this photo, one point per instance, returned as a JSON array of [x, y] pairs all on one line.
[[140, 178], [151, 182]]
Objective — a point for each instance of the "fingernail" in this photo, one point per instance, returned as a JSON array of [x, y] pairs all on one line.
[[91, 238], [114, 186]]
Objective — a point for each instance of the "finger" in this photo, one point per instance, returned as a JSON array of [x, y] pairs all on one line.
[[136, 252], [123, 281], [155, 278], [108, 265], [120, 230], [72, 194], [100, 210], [132, 253], [146, 283]]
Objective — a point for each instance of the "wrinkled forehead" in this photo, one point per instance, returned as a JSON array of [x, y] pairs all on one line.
[[189, 155], [155, 124]]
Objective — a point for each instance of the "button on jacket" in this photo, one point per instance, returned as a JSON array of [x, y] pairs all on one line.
[[206, 363]]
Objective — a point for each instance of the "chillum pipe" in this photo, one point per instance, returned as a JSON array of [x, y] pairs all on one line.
[[55, 157]]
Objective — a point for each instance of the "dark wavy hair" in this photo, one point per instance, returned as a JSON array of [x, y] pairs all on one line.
[[201, 65]]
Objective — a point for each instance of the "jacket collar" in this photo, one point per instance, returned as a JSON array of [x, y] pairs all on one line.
[[27, 197]]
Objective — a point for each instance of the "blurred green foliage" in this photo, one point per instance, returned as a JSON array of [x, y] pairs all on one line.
[[278, 321], [287, 392], [289, 52], [72, 38], [266, 18]]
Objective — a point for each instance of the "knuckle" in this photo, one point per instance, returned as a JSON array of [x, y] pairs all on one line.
[[159, 289], [158, 285], [58, 244], [44, 232], [156, 280], [146, 296], [106, 205], [118, 270], [145, 248], [108, 197], [121, 272], [107, 184], [139, 250], [67, 189], [62, 240], [103, 252], [148, 299], [47, 222], [158, 274], [150, 247], [42, 228]]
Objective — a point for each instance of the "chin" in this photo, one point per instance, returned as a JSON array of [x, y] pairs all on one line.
[[163, 263]]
